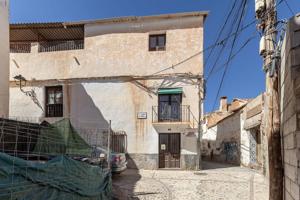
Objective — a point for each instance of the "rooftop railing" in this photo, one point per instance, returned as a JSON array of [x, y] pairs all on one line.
[[48, 46], [20, 47]]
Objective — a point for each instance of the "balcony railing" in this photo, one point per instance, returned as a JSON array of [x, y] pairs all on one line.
[[49, 46], [20, 47], [172, 113], [54, 110]]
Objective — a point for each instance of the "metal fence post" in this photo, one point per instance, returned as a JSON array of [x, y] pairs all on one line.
[[108, 144]]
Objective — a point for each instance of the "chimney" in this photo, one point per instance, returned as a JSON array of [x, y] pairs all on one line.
[[4, 59], [223, 104]]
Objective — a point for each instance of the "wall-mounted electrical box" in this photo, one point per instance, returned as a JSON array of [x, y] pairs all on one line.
[[260, 6], [262, 46]]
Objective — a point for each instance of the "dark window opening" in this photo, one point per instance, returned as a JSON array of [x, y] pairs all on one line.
[[169, 107], [54, 101], [157, 42]]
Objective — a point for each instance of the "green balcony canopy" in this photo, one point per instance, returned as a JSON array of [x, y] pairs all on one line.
[[170, 91]]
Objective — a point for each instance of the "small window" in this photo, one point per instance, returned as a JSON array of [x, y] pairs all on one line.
[[157, 42], [54, 101]]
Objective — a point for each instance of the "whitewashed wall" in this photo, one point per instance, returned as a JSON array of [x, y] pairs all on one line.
[[92, 105]]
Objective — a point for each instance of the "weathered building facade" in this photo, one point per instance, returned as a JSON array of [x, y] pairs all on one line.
[[290, 109], [4, 58], [133, 71], [222, 132], [254, 152], [233, 134]]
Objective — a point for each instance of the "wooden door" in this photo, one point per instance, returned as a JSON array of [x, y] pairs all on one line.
[[169, 150]]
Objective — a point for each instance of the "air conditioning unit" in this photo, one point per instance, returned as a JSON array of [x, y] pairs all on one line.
[[259, 6], [262, 46]]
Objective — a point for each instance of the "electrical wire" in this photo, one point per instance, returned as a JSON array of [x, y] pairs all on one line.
[[289, 7], [224, 45], [221, 30], [230, 54]]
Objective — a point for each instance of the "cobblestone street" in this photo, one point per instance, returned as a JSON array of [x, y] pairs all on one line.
[[216, 182]]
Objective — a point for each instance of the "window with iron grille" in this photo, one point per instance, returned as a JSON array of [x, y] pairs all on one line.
[[119, 142], [169, 107], [54, 101], [157, 42]]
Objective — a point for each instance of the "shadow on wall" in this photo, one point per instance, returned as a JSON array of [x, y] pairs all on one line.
[[86, 116], [84, 110], [226, 147]]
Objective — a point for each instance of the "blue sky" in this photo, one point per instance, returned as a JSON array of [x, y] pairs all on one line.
[[245, 77]]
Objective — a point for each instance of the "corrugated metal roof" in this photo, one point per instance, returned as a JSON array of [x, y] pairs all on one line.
[[36, 31], [141, 18], [26, 32]]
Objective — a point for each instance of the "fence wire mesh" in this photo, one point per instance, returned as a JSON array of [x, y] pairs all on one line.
[[30, 149]]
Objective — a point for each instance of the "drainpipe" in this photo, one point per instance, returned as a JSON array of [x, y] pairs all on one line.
[[4, 58]]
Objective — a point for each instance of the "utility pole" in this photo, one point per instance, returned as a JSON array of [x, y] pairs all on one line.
[[200, 94], [266, 13]]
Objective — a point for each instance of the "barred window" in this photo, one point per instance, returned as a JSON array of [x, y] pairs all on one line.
[[54, 101]]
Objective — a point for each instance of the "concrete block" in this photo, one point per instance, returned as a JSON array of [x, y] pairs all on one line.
[[295, 191], [286, 98], [287, 184], [288, 196], [298, 105], [295, 36], [295, 54], [290, 141], [292, 156], [291, 172], [297, 82], [289, 110], [290, 125]]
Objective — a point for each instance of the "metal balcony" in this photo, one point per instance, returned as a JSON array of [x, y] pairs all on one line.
[[171, 118]]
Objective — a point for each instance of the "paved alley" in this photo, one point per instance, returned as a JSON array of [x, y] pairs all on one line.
[[216, 182]]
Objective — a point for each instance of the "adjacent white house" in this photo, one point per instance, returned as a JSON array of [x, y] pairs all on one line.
[[233, 134], [142, 73]]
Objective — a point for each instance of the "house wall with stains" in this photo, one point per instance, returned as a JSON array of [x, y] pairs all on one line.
[[110, 57], [235, 136], [4, 58], [221, 142]]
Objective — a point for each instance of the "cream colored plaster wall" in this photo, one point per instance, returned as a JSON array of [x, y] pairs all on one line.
[[92, 104], [116, 54], [4, 58]]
